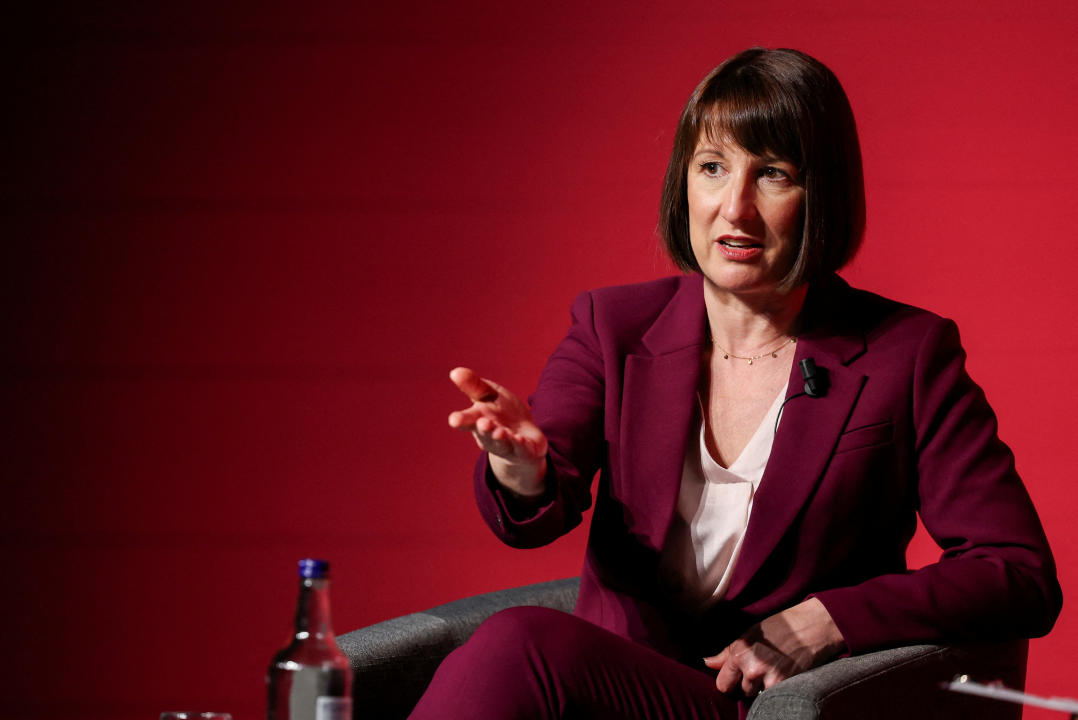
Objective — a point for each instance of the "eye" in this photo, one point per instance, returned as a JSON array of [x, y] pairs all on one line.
[[711, 168], [775, 174]]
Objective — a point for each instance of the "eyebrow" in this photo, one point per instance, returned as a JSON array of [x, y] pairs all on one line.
[[709, 151], [769, 158]]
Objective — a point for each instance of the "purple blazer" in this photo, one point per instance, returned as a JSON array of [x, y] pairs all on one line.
[[901, 429]]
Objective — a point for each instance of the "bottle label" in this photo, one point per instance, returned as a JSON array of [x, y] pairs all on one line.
[[333, 708]]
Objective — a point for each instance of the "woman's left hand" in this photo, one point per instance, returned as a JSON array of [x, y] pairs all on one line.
[[783, 645]]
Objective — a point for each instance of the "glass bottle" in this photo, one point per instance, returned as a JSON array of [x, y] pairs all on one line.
[[310, 679]]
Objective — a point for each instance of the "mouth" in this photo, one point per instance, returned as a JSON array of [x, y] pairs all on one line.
[[740, 249], [740, 243]]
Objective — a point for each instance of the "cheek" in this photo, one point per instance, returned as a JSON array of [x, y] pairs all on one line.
[[789, 221], [701, 208], [698, 218], [693, 201], [695, 242]]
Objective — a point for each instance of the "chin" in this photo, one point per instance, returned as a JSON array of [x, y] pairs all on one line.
[[741, 283]]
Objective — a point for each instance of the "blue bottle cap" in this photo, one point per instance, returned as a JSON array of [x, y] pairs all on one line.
[[311, 568]]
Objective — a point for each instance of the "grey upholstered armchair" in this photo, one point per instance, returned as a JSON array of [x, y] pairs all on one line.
[[395, 660]]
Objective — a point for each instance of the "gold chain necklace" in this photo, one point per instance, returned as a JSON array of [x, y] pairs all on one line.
[[726, 354]]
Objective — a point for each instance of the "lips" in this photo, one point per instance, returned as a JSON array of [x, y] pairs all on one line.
[[738, 242], [739, 248]]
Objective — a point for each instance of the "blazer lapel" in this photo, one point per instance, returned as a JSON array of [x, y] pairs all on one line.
[[809, 430], [658, 404]]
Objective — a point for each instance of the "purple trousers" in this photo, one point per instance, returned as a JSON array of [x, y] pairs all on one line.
[[531, 662]]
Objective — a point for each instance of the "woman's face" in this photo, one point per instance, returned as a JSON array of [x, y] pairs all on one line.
[[746, 214]]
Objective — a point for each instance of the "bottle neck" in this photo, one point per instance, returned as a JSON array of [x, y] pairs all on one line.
[[312, 610]]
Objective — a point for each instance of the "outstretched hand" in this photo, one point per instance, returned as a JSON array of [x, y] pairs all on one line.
[[783, 645], [502, 425]]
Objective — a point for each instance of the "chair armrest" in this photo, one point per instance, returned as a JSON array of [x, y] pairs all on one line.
[[395, 660], [898, 683]]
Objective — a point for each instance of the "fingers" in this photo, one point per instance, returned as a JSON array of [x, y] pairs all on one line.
[[715, 662], [500, 423], [500, 440], [464, 419], [486, 440], [497, 439], [751, 686], [476, 421], [784, 644], [728, 679], [475, 387], [747, 669], [478, 390]]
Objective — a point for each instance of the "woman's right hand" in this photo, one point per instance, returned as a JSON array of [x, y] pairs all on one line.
[[502, 425]]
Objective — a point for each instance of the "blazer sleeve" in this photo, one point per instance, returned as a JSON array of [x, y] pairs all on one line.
[[996, 578], [568, 406]]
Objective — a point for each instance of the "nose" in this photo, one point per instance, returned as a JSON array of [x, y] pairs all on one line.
[[739, 199]]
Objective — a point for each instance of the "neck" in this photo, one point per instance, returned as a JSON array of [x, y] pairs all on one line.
[[747, 324], [312, 610]]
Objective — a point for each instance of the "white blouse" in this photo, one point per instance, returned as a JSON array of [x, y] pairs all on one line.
[[713, 510]]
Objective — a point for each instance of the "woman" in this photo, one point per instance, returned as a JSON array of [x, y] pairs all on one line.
[[739, 518]]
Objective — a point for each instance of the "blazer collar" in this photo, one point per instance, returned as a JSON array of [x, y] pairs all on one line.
[[682, 323], [659, 403], [830, 328]]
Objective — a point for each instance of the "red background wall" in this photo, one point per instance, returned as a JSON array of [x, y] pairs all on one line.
[[242, 247]]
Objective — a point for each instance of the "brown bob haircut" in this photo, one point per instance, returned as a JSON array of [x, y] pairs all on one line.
[[784, 103]]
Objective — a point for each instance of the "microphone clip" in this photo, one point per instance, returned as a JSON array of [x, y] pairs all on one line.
[[815, 378]]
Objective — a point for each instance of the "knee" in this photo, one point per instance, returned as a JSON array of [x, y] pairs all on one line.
[[519, 629], [522, 622], [502, 670], [532, 638]]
